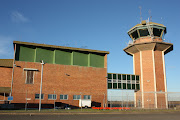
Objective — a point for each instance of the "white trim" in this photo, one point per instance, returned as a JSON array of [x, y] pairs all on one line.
[[134, 65], [165, 82], [154, 72], [142, 90], [33, 69], [134, 71]]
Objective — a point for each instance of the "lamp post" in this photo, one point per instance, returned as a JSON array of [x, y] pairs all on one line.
[[42, 63]]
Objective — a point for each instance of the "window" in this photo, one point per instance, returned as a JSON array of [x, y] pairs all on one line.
[[114, 76], [51, 96], [135, 35], [76, 97], [87, 97], [143, 32], [157, 32], [63, 97], [37, 96], [29, 76], [109, 76], [124, 77]]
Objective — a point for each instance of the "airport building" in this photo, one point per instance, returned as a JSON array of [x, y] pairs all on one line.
[[65, 75]]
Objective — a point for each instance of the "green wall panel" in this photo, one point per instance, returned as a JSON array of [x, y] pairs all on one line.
[[62, 57], [44, 54], [96, 60], [80, 59], [26, 53]]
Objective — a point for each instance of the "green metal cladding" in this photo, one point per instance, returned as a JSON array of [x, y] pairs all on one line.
[[59, 56], [96, 60], [44, 54], [80, 59], [25, 53], [63, 57]]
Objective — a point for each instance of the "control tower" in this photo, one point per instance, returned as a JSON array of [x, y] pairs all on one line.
[[148, 49]]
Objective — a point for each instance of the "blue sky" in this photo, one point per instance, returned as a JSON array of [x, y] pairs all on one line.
[[92, 24]]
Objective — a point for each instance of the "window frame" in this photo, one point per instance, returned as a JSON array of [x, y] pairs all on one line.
[[63, 97], [52, 97], [38, 95], [76, 97], [87, 97], [27, 77]]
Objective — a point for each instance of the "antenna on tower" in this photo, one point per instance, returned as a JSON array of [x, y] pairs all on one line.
[[150, 16], [140, 13]]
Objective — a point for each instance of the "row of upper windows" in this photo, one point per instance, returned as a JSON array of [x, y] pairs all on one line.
[[63, 97]]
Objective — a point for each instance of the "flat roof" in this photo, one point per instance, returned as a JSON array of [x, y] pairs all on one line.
[[60, 47], [6, 62]]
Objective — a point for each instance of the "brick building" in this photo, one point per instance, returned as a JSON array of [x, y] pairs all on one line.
[[69, 74]]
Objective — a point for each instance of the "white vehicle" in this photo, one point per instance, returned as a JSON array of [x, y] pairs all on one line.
[[84, 103]]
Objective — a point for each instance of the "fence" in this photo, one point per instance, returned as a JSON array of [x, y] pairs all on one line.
[[146, 100]]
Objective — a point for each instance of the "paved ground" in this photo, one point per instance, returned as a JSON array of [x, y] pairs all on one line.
[[168, 116]]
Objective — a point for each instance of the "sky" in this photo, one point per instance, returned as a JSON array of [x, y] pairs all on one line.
[[91, 24]]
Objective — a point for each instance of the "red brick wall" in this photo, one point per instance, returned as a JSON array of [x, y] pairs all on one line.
[[5, 79], [86, 80]]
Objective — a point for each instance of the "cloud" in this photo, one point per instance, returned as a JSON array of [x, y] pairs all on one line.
[[18, 17], [6, 47]]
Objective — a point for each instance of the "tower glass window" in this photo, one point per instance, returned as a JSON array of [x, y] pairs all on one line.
[[143, 32], [135, 35], [157, 32]]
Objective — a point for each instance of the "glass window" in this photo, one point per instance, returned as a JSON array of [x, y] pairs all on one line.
[[137, 77], [109, 76], [76, 97], [133, 86], [119, 85], [51, 96], [119, 77], [124, 77], [114, 85], [128, 77], [135, 35], [143, 32], [124, 85], [63, 97], [87, 97], [37, 96], [114, 76], [129, 86], [137, 86], [157, 32], [29, 76], [109, 85], [133, 77]]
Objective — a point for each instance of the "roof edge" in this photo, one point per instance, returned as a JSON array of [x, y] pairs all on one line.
[[60, 47]]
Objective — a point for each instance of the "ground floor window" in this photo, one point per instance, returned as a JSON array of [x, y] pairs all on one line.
[[63, 97], [51, 96], [37, 96], [76, 97], [87, 97]]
